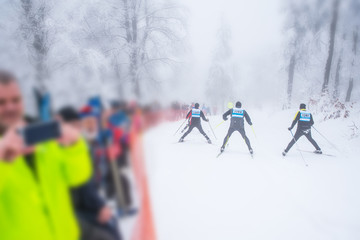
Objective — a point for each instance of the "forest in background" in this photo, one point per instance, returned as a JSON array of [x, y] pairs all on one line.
[[140, 50]]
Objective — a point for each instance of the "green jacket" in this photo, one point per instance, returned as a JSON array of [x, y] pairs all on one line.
[[39, 207]]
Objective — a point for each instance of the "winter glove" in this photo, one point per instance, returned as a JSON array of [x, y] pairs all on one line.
[[289, 128], [207, 120], [225, 118]]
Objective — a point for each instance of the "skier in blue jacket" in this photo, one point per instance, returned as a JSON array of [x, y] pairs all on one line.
[[237, 124], [304, 120], [195, 114]]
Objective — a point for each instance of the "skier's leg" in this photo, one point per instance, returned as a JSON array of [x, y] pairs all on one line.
[[188, 131], [201, 130], [186, 127], [296, 137], [309, 137], [243, 134], [227, 137]]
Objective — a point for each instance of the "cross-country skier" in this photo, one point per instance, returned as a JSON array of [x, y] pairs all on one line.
[[237, 124], [304, 122], [195, 114]]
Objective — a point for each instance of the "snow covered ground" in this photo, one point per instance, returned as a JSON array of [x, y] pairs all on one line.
[[197, 196]]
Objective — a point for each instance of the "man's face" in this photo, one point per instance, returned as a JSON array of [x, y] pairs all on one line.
[[75, 124], [11, 104], [90, 128], [89, 124]]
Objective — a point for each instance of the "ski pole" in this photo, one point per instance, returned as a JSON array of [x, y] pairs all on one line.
[[219, 124], [185, 128], [326, 139], [297, 146], [227, 141], [179, 127], [119, 191], [212, 130], [253, 131], [117, 181]]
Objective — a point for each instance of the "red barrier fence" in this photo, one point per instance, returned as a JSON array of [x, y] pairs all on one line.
[[145, 228], [145, 225]]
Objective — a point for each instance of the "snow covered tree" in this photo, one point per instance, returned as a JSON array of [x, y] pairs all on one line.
[[143, 35], [339, 67], [36, 34], [321, 33], [352, 23], [333, 29], [297, 28], [220, 87], [305, 22], [354, 53]]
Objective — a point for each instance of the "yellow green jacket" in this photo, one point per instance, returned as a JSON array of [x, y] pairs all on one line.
[[40, 208]]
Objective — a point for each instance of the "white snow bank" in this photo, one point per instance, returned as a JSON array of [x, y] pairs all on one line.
[[197, 196]]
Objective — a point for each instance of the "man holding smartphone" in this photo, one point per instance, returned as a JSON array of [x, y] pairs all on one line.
[[35, 180]]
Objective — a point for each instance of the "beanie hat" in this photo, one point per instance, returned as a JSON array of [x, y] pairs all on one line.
[[69, 114], [87, 111], [303, 106]]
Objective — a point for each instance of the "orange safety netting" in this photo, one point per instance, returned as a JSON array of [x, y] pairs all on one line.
[[145, 226]]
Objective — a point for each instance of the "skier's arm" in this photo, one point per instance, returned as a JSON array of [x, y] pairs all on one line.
[[188, 115], [296, 119], [227, 114], [202, 115], [247, 117], [311, 120]]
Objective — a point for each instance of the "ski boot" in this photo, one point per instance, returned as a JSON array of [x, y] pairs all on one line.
[[181, 140], [222, 149], [284, 153], [318, 151], [251, 151], [209, 141]]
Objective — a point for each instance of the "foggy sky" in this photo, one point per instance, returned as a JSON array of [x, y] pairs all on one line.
[[256, 38], [256, 42]]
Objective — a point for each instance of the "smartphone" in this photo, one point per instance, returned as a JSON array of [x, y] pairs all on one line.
[[41, 132]]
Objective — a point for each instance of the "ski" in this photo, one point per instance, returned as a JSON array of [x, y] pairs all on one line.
[[210, 143], [325, 154], [252, 155]]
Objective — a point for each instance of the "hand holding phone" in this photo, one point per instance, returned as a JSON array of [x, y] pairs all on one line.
[[69, 135], [17, 140], [11, 146], [40, 132], [54, 130]]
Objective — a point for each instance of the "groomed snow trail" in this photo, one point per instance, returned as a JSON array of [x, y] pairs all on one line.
[[197, 196]]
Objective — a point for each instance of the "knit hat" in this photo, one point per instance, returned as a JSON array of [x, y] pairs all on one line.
[[69, 114], [87, 111], [303, 106]]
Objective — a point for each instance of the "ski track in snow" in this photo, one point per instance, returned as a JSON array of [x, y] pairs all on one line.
[[197, 196]]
